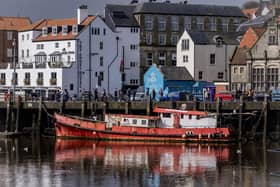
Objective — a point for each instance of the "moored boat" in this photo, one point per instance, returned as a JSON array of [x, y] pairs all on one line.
[[169, 125]]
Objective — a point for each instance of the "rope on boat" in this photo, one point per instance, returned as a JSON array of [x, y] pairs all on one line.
[[46, 111]]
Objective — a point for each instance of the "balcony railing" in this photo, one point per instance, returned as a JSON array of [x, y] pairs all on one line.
[[52, 82], [26, 81], [27, 65], [40, 65], [57, 64], [2, 81], [12, 66], [4, 65], [40, 81]]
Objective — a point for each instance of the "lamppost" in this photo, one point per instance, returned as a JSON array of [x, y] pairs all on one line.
[[14, 66]]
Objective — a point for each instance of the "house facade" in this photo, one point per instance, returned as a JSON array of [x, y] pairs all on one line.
[[263, 60], [9, 27], [162, 24], [120, 19], [206, 54], [76, 54]]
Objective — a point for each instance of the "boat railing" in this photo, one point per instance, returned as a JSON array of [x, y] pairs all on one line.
[[83, 118]]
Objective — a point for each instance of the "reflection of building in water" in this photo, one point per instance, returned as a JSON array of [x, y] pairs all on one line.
[[171, 158]]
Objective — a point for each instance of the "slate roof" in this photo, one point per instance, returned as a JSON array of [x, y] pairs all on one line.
[[175, 73], [239, 56], [121, 15], [200, 37], [188, 9]]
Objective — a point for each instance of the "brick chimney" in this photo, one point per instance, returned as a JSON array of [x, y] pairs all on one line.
[[82, 13]]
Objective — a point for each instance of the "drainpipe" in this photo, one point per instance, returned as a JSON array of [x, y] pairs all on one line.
[[108, 68]]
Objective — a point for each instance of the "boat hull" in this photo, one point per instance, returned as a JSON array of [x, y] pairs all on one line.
[[144, 134]]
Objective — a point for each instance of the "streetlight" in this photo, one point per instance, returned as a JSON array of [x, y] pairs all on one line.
[[14, 66]]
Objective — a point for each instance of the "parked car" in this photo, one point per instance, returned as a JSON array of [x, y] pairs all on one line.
[[139, 96], [275, 95], [259, 96], [224, 96]]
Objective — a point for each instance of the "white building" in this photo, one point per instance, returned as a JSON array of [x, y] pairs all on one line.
[[206, 54], [121, 20], [77, 54]]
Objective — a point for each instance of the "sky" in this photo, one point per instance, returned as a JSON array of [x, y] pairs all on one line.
[[39, 9]]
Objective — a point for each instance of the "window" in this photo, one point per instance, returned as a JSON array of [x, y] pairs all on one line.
[[185, 44], [166, 115], [101, 61], [161, 58], [220, 75], [272, 75], [101, 75], [71, 87], [134, 30], [45, 31], [56, 45], [174, 58], [38, 46], [241, 69], [132, 64], [75, 29], [200, 75], [95, 31], [235, 69], [161, 23], [149, 38], [143, 122], [212, 59], [53, 75], [225, 24], [27, 53], [104, 31], [272, 38], [134, 81], [22, 37], [54, 30], [213, 24], [133, 47], [68, 44], [27, 37], [185, 58], [148, 22], [200, 23], [42, 46], [22, 53], [100, 45], [162, 39], [40, 75], [174, 39], [27, 75], [64, 30], [174, 23], [187, 23], [149, 58], [3, 76], [9, 35], [134, 121], [68, 58], [258, 79], [9, 52]]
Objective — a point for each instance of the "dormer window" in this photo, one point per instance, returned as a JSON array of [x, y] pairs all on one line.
[[45, 31], [75, 29], [272, 38], [64, 30], [219, 41], [54, 30]]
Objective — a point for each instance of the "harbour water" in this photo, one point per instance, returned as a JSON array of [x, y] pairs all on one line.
[[35, 161]]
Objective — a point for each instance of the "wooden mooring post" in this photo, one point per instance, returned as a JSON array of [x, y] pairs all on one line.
[[39, 119], [218, 106], [264, 120], [83, 108], [240, 118], [17, 117], [8, 104]]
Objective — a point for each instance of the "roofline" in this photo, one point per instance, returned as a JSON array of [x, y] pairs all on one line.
[[162, 13]]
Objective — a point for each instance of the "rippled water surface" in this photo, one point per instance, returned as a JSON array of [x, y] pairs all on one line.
[[32, 161]]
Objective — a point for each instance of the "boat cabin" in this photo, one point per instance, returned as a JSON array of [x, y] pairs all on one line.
[[131, 120]]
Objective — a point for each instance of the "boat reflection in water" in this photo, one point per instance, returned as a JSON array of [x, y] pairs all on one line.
[[159, 158]]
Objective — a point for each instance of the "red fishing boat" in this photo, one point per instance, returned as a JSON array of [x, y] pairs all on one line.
[[169, 125]]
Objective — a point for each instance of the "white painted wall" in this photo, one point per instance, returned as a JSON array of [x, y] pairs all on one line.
[[190, 65]]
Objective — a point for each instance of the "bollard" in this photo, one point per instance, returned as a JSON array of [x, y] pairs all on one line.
[[126, 108]]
